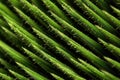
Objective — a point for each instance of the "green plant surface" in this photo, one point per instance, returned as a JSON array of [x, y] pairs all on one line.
[[111, 48], [32, 73], [117, 11], [4, 76], [59, 40], [18, 76], [113, 62], [80, 36]]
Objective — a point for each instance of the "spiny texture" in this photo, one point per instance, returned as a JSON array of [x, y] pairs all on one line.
[[59, 40]]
